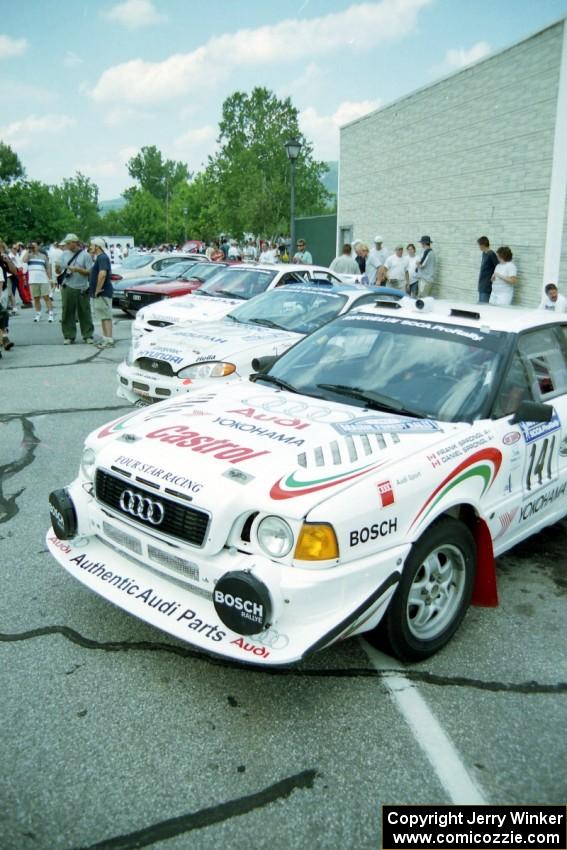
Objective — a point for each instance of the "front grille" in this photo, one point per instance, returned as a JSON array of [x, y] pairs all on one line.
[[157, 367], [180, 521]]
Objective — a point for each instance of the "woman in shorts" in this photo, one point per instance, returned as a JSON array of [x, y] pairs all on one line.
[[39, 272]]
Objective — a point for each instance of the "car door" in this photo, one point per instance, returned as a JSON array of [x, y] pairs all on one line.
[[538, 372]]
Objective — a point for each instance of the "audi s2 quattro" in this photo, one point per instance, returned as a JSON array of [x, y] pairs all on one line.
[[364, 483]]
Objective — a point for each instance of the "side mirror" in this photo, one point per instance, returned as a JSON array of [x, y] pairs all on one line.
[[262, 364], [532, 411]]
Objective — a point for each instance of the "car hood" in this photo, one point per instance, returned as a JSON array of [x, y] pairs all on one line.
[[190, 308], [187, 344], [253, 447], [132, 282]]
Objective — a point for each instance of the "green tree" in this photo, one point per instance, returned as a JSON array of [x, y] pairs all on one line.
[[32, 210], [155, 175], [251, 171], [11, 168], [144, 217], [79, 195]]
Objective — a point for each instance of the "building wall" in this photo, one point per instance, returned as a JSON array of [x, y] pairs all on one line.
[[467, 156]]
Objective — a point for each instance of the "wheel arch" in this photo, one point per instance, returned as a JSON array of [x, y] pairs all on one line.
[[485, 590]]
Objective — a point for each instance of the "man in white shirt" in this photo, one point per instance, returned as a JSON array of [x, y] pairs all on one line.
[[375, 260], [552, 300], [395, 269]]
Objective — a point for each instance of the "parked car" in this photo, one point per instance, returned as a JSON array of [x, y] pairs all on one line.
[[179, 359], [134, 298], [175, 271], [218, 296], [147, 265], [364, 483]]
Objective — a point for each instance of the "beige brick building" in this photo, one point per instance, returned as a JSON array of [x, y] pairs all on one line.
[[481, 152]]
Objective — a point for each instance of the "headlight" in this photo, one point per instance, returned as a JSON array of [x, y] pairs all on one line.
[[88, 461], [275, 536], [212, 369], [317, 542]]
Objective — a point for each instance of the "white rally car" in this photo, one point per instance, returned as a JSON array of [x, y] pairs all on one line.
[[217, 297], [179, 359], [365, 483]]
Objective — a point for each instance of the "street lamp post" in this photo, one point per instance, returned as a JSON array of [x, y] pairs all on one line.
[[292, 148], [185, 211]]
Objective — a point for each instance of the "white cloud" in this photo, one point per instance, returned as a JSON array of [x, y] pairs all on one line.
[[121, 115], [291, 40], [23, 132], [197, 136], [323, 130], [135, 14], [12, 46], [307, 82], [458, 57], [71, 60], [195, 146]]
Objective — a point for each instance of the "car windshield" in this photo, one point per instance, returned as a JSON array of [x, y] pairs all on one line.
[[137, 261], [237, 283], [406, 366], [292, 309], [202, 271], [178, 269]]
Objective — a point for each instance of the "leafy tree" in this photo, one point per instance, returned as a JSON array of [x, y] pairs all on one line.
[[11, 168], [251, 171], [155, 175], [79, 195], [32, 210], [143, 217]]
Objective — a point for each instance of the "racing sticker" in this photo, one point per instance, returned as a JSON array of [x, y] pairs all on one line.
[[505, 520], [142, 597], [484, 464], [290, 486], [386, 425], [534, 430], [386, 493], [116, 426]]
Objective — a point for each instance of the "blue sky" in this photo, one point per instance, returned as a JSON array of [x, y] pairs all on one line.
[[84, 85]]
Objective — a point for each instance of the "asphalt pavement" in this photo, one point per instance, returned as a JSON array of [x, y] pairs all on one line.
[[116, 735]]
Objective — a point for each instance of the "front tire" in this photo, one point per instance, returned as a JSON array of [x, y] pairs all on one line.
[[433, 594]]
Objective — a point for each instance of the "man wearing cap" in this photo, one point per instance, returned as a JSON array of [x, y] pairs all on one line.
[[375, 261], [75, 264], [426, 268], [395, 269], [100, 290]]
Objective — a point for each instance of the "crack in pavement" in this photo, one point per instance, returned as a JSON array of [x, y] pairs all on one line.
[[162, 830], [57, 411], [422, 677], [8, 504], [81, 360]]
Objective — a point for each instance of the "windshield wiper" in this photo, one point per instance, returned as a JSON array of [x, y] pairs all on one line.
[[271, 379], [233, 319], [222, 293], [267, 323], [373, 400]]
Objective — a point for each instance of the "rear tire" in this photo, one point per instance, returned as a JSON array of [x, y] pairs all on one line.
[[433, 594]]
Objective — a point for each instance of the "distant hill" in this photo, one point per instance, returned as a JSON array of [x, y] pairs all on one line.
[[331, 179], [113, 204]]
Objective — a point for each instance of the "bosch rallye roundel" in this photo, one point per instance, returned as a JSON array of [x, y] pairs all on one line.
[[364, 483]]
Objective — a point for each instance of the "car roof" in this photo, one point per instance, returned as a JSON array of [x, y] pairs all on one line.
[[279, 267], [486, 316]]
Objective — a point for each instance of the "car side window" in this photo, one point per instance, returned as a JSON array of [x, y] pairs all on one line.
[[515, 388], [546, 362]]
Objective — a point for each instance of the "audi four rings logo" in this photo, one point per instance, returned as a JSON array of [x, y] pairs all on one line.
[[141, 507]]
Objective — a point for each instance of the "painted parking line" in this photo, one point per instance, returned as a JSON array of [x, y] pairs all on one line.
[[429, 735]]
